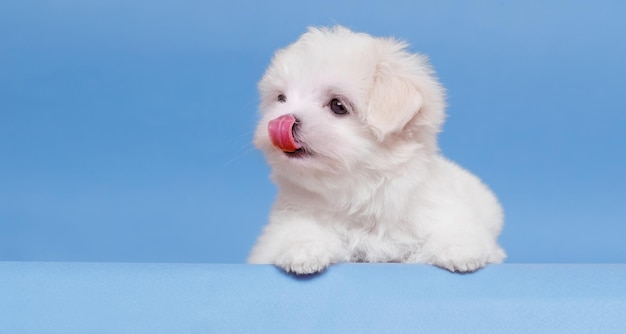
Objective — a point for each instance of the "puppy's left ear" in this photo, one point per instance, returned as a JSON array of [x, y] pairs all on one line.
[[404, 91], [393, 102]]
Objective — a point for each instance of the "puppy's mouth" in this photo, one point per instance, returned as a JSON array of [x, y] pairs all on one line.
[[299, 153], [282, 133]]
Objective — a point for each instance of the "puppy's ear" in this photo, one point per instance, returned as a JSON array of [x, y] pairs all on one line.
[[393, 102]]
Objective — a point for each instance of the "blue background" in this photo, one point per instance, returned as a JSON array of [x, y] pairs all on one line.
[[125, 126]]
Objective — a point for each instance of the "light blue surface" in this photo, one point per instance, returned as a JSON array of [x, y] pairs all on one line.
[[350, 298], [125, 126]]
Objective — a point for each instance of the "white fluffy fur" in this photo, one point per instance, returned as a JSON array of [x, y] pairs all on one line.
[[373, 187]]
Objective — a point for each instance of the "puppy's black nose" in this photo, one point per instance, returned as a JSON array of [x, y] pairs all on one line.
[[296, 122]]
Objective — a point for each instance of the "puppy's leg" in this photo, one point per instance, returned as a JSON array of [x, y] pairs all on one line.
[[461, 251], [298, 245]]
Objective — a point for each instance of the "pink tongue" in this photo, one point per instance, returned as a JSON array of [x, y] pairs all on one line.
[[281, 133]]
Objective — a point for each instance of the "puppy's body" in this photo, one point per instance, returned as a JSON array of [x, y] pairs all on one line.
[[352, 125]]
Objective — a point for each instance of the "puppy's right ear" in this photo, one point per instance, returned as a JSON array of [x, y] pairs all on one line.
[[393, 101]]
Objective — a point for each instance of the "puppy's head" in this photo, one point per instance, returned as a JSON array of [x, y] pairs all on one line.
[[342, 103]]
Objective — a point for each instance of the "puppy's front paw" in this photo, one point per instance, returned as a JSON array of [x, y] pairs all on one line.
[[464, 258], [304, 258]]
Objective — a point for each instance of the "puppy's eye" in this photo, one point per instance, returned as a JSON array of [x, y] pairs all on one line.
[[338, 107], [281, 98]]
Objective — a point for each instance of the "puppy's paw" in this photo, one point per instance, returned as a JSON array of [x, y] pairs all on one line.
[[304, 258], [465, 258]]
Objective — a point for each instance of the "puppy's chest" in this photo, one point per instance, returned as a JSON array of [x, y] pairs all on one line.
[[380, 244]]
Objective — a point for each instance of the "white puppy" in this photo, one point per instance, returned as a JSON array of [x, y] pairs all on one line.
[[349, 126]]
